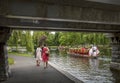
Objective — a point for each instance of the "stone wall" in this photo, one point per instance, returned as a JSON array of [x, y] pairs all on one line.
[[3, 62], [3, 7], [4, 67], [115, 63], [63, 9]]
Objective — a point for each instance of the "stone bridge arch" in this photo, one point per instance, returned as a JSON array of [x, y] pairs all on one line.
[[60, 15]]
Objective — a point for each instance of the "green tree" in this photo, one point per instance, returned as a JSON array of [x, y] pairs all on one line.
[[39, 37], [29, 42], [24, 38]]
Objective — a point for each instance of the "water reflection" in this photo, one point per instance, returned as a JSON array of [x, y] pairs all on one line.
[[94, 64], [85, 69]]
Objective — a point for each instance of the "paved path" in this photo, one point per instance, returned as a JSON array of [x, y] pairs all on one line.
[[25, 71]]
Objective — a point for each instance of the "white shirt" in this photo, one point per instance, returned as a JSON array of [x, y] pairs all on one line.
[[38, 53]]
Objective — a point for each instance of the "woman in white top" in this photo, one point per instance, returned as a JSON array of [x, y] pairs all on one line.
[[38, 55], [94, 51]]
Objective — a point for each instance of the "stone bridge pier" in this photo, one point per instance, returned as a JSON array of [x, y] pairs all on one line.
[[115, 63], [4, 67]]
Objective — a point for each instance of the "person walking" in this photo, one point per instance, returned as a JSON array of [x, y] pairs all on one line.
[[38, 55], [45, 55]]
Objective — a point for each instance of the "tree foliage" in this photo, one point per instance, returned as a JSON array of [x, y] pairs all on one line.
[[21, 38], [24, 38], [29, 42]]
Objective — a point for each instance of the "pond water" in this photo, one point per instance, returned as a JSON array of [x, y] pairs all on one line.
[[86, 69]]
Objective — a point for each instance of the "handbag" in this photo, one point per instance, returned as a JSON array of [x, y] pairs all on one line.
[[47, 53]]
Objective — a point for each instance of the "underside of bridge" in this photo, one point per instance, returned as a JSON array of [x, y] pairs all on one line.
[[60, 15]]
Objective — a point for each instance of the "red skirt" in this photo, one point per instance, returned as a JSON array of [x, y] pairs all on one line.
[[45, 57]]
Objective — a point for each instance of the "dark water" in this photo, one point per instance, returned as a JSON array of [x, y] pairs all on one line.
[[86, 69]]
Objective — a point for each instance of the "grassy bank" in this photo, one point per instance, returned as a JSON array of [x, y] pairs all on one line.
[[20, 54], [10, 61]]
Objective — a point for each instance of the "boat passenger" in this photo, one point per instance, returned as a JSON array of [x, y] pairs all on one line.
[[93, 51]]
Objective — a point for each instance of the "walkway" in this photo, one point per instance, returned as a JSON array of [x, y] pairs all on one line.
[[25, 71]]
